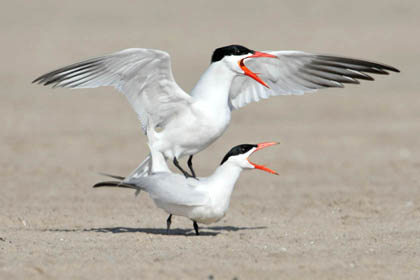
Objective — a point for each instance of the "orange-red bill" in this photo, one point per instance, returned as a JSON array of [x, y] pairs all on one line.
[[262, 167], [265, 145], [251, 74]]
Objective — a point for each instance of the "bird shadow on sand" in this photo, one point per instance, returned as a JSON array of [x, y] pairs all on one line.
[[204, 231]]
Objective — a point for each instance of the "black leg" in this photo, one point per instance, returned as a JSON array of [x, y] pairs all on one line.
[[190, 166], [176, 163], [196, 228], [168, 223]]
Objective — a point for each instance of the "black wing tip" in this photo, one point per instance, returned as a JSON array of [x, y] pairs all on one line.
[[38, 80], [394, 69], [54, 76], [365, 77], [47, 83], [351, 81], [42, 80], [379, 68]]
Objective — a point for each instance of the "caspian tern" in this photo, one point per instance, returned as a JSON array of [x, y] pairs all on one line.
[[203, 201], [190, 123]]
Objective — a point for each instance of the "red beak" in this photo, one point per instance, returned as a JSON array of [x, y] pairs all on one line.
[[262, 167], [251, 74]]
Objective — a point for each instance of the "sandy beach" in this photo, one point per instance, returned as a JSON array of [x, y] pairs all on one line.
[[346, 203]]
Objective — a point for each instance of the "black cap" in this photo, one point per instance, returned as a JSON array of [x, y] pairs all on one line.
[[220, 53], [238, 150]]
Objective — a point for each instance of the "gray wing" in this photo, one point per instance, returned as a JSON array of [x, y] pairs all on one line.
[[172, 188], [144, 76], [295, 73]]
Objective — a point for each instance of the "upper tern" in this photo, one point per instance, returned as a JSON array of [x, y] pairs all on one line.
[[236, 76]]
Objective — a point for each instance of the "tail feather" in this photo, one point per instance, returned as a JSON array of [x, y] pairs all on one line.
[[112, 176], [142, 170], [117, 184]]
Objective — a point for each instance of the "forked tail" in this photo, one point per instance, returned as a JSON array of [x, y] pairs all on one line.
[[117, 184]]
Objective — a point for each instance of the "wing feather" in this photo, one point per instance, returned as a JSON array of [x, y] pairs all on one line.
[[296, 73], [144, 76], [171, 188]]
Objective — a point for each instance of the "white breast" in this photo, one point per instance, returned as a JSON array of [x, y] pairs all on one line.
[[193, 131]]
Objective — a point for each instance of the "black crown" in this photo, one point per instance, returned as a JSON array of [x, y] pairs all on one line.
[[220, 53]]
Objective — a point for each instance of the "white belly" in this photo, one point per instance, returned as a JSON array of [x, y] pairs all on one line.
[[200, 214], [191, 132]]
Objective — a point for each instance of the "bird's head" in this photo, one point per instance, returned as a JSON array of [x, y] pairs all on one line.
[[239, 155], [234, 56]]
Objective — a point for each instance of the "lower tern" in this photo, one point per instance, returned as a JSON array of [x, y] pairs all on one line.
[[203, 201], [237, 76]]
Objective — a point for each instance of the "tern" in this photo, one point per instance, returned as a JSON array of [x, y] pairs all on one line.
[[203, 201], [188, 123]]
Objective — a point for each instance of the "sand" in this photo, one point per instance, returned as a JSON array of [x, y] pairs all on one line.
[[346, 204]]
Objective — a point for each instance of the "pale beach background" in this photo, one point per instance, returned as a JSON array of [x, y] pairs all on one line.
[[345, 206]]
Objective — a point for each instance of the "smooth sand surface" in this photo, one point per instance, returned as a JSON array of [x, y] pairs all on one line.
[[346, 204]]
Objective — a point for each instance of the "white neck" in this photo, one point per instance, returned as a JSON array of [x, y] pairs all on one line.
[[222, 182], [214, 85]]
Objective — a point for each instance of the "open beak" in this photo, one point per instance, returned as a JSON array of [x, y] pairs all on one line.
[[262, 167], [251, 74]]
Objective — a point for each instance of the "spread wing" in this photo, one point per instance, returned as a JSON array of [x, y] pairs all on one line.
[[295, 72], [144, 76]]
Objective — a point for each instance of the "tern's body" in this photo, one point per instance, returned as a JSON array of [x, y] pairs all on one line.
[[204, 200], [201, 123], [187, 123]]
